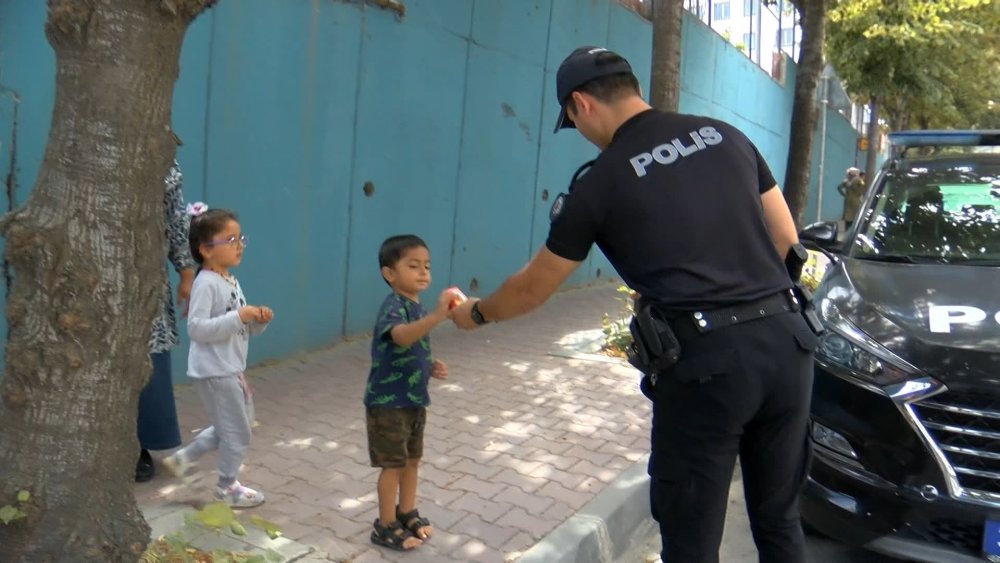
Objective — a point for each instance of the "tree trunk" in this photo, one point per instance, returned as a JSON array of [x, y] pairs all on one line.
[[665, 74], [87, 254], [873, 136], [897, 113], [804, 112]]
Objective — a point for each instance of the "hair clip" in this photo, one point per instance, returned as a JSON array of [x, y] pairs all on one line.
[[196, 209]]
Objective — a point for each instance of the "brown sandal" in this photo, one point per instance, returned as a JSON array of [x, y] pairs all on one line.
[[414, 522]]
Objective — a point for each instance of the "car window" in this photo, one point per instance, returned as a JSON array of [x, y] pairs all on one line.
[[940, 210]]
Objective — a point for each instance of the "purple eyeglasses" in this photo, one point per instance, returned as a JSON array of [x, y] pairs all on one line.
[[231, 241]]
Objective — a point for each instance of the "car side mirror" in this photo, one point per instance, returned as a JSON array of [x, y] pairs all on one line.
[[820, 237]]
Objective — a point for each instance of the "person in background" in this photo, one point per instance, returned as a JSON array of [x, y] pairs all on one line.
[[852, 188]]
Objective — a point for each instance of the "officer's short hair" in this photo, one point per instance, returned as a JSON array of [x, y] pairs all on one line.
[[608, 89]]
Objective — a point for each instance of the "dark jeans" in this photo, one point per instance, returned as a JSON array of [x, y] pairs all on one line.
[[157, 419], [740, 391]]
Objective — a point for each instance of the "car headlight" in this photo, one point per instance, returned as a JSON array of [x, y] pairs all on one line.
[[845, 345], [837, 349]]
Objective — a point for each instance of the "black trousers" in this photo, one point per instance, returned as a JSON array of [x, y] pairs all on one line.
[[744, 391]]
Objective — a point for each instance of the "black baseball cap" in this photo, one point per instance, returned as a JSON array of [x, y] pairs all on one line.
[[580, 67]]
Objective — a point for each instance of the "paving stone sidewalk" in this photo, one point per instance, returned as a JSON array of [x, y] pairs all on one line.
[[529, 427]]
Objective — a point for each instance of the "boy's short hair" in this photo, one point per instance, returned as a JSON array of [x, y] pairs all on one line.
[[394, 247]]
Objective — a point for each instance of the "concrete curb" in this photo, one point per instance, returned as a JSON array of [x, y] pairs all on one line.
[[611, 524], [165, 519]]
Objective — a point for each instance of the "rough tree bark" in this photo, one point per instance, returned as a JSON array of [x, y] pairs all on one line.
[[87, 254], [804, 110], [665, 74]]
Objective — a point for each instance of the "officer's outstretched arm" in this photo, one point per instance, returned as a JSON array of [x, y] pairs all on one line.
[[779, 221], [531, 286]]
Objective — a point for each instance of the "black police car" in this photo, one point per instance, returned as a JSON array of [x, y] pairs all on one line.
[[906, 402]]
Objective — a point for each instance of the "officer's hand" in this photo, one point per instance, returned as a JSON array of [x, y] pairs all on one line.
[[462, 315]]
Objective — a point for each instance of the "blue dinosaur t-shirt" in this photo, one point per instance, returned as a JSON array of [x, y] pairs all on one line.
[[399, 374]]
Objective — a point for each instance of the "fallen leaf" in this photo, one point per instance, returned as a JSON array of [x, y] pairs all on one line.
[[237, 528], [216, 515], [270, 528], [9, 513]]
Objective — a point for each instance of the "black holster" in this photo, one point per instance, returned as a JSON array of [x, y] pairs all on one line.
[[794, 261], [654, 346], [808, 308]]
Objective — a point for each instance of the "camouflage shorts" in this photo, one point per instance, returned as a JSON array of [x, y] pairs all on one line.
[[395, 435]]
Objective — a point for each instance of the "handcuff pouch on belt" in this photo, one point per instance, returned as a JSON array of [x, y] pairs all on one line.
[[654, 346]]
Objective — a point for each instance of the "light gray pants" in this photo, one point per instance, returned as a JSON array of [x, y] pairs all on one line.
[[230, 409]]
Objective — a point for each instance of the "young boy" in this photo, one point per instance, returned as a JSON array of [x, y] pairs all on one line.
[[396, 397]]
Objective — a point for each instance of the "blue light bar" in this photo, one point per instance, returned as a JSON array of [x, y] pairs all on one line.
[[937, 138]]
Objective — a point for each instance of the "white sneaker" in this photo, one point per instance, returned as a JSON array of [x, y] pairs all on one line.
[[182, 468], [238, 496]]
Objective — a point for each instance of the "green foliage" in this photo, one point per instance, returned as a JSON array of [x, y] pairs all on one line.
[[270, 528], [616, 334], [12, 512], [932, 63], [175, 548], [217, 516]]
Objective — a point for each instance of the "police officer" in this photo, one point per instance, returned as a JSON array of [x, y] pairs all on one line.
[[687, 211]]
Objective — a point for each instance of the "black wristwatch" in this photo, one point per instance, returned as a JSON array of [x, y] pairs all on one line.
[[477, 315]]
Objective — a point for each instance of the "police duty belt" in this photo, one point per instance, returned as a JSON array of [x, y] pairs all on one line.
[[781, 302]]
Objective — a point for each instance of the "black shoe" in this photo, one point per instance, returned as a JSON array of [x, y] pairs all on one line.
[[144, 469]]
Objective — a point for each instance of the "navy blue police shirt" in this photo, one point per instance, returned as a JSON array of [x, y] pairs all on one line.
[[674, 203]]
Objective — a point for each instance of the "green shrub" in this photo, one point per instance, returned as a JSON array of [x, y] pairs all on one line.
[[616, 334]]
